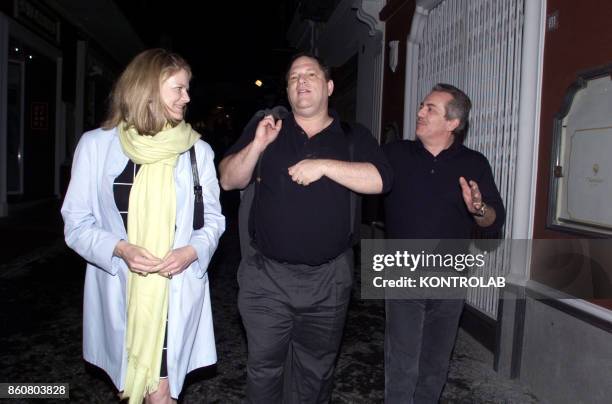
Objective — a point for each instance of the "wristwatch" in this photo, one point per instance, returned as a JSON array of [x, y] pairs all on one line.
[[482, 211]]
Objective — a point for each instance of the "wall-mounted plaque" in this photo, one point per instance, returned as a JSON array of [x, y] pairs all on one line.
[[580, 197]]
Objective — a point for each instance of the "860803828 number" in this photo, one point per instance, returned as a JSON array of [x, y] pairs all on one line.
[[34, 390]]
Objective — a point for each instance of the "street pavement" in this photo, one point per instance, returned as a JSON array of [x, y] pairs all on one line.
[[41, 292]]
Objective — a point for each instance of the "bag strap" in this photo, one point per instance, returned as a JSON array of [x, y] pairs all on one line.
[[198, 206], [348, 132], [256, 184], [249, 195]]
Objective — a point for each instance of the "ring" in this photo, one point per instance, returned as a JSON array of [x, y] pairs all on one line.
[[169, 275]]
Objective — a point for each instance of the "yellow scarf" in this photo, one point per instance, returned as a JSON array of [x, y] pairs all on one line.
[[151, 224]]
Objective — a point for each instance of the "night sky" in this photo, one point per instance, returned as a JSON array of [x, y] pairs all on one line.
[[229, 45]]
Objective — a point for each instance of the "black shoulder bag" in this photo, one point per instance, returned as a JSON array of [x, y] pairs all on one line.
[[198, 205]]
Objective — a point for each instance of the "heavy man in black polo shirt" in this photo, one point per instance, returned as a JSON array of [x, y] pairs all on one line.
[[295, 286], [441, 189]]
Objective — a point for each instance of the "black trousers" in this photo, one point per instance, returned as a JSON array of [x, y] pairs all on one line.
[[419, 339], [294, 317]]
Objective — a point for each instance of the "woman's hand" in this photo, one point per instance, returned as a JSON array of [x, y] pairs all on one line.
[[176, 261], [138, 259]]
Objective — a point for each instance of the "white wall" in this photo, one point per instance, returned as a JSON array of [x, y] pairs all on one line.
[[565, 359]]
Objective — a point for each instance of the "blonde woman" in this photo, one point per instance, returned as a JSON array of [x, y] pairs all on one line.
[[147, 315]]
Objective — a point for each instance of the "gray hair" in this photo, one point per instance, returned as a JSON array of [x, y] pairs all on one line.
[[457, 108]]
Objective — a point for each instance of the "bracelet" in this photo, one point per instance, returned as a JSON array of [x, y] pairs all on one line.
[[482, 211]]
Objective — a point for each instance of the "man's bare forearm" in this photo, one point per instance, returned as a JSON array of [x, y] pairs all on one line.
[[236, 170], [363, 178]]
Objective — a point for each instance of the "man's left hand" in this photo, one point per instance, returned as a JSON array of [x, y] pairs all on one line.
[[471, 195], [307, 171], [176, 261]]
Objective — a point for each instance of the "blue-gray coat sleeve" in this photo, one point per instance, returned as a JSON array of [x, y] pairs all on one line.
[[82, 228]]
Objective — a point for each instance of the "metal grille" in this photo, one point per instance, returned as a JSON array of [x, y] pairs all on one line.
[[476, 46]]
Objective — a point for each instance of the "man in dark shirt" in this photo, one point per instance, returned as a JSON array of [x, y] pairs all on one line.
[[295, 285], [441, 189]]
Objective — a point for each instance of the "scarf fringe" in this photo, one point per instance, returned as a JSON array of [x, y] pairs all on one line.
[[137, 386]]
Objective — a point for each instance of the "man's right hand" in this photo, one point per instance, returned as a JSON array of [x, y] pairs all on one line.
[[236, 170], [266, 132], [138, 259]]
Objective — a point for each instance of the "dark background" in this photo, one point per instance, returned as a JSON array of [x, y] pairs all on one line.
[[229, 45]]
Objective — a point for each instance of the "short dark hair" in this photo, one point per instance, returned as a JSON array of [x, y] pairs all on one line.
[[457, 108], [322, 65]]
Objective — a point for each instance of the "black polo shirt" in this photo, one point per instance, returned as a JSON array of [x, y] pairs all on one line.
[[306, 225], [426, 200]]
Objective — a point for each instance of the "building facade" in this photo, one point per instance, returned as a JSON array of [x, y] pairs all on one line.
[[58, 65], [538, 73]]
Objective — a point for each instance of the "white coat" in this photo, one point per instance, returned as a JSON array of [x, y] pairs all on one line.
[[93, 226]]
